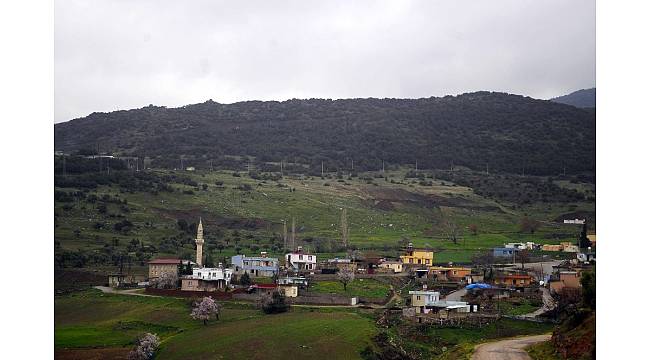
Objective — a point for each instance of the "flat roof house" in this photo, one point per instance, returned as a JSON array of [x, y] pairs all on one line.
[[395, 266], [207, 279], [504, 252], [415, 256], [300, 261], [260, 266], [513, 280]]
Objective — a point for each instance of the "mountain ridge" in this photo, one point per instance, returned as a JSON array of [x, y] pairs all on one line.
[[507, 132]]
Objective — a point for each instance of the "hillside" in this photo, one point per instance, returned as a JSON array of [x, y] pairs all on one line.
[[508, 133], [585, 98]]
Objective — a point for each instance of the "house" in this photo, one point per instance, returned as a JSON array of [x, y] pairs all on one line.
[[300, 261], [454, 274], [565, 279], [259, 266], [288, 290], [504, 252], [513, 280], [158, 267], [120, 280], [423, 300], [336, 264], [207, 279], [263, 288], [529, 245], [569, 247], [426, 302], [298, 281], [389, 265], [415, 256], [549, 247]]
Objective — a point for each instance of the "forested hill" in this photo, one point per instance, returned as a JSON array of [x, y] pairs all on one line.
[[508, 132], [585, 98]]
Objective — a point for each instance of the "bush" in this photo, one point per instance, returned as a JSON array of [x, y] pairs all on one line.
[[274, 303]]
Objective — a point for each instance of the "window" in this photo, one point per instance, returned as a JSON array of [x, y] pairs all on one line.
[[418, 297], [299, 257]]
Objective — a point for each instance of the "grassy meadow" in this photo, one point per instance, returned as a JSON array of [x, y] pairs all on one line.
[[241, 212]]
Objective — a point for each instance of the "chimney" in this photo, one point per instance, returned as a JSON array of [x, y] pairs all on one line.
[[424, 287], [263, 253], [220, 265]]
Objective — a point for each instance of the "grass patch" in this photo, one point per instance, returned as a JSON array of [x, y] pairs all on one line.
[[359, 287], [543, 351]]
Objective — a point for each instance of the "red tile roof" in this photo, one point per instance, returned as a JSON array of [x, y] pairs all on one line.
[[165, 261]]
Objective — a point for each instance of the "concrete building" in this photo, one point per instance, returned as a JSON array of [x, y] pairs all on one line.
[[158, 267], [288, 290], [565, 279], [415, 256], [427, 301], [300, 261], [296, 280], [504, 252], [394, 266], [260, 266], [454, 274], [513, 280], [207, 279]]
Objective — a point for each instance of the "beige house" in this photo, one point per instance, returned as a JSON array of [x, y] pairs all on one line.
[[288, 290], [395, 266], [158, 267]]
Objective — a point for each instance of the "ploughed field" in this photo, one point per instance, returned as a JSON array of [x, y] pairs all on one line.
[[242, 214]]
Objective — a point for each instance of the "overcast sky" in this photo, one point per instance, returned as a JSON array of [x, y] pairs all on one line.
[[122, 54]]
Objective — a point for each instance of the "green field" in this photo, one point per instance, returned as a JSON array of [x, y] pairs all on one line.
[[359, 287], [91, 319], [381, 212]]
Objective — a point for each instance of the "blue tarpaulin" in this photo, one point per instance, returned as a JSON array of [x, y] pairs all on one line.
[[478, 286]]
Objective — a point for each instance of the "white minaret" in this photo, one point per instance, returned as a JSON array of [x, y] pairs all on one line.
[[199, 244]]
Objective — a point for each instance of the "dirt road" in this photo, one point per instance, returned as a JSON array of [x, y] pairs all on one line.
[[511, 349]]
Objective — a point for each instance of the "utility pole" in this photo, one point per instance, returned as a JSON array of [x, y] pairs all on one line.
[[487, 169], [322, 169], [210, 164], [352, 164], [383, 166], [63, 165], [281, 168], [344, 228], [284, 231], [293, 233], [416, 166]]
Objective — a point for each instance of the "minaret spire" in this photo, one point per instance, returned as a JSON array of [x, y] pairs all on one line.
[[199, 244]]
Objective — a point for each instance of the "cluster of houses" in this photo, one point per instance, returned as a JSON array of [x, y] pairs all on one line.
[[291, 275]]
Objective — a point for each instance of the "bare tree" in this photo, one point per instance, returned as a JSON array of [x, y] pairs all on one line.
[[145, 347], [205, 310], [451, 231], [524, 257], [345, 276]]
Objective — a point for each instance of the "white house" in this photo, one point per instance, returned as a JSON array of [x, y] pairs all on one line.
[[298, 260], [207, 279], [426, 301]]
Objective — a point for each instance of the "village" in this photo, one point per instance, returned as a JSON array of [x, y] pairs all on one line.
[[507, 282]]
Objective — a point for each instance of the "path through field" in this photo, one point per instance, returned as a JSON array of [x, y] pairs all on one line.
[[511, 349]]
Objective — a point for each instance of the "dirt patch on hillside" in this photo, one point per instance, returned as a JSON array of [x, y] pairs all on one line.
[[212, 219], [390, 199], [91, 354]]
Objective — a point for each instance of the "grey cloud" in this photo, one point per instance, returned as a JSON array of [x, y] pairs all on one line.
[[121, 54]]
